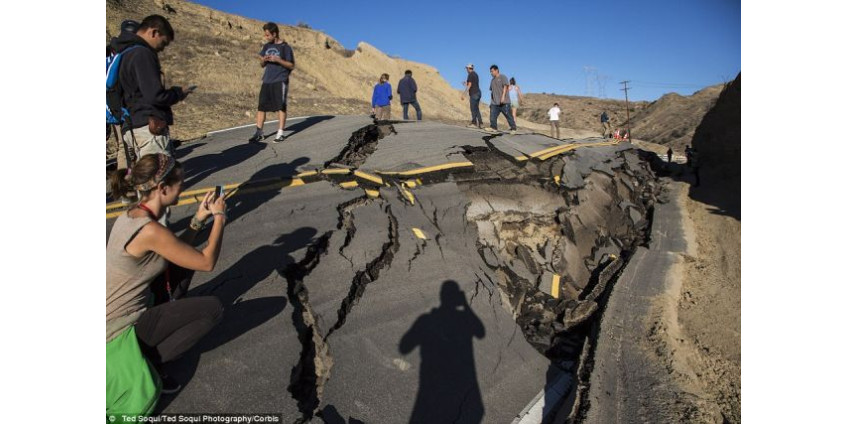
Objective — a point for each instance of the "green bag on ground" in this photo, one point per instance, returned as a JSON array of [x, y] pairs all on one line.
[[132, 384]]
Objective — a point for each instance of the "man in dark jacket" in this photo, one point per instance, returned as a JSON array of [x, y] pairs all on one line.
[[126, 155], [148, 101], [407, 89]]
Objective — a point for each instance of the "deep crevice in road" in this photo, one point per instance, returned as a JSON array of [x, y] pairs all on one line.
[[312, 370], [539, 221], [370, 273], [346, 223], [362, 143]]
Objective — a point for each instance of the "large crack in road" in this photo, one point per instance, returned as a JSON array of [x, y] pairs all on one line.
[[370, 273]]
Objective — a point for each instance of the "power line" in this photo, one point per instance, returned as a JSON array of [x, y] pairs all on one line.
[[666, 84]]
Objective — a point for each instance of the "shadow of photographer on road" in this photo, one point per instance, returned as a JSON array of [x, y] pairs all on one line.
[[448, 389]]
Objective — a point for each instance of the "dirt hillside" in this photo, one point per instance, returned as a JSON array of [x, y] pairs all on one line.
[[669, 121]]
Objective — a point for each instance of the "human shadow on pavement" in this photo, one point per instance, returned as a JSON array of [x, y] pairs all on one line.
[[448, 390], [200, 167], [243, 203], [298, 127], [186, 149], [306, 123], [241, 316], [330, 415]]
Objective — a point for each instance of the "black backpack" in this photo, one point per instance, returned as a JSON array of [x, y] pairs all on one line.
[[116, 113]]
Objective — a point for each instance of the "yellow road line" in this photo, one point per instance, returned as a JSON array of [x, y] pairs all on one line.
[[550, 152], [418, 233], [407, 194], [192, 193], [193, 196], [557, 152], [196, 196], [333, 171], [425, 170], [365, 176], [372, 193], [307, 174], [555, 286]]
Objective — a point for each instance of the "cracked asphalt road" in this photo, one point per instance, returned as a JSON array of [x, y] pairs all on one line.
[[448, 279]]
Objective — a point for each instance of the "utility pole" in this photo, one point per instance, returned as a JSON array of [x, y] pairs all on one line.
[[627, 106]]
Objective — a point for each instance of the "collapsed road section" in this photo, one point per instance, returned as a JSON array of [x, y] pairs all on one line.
[[539, 241], [451, 295]]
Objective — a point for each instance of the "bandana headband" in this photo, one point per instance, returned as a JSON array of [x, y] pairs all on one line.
[[166, 164]]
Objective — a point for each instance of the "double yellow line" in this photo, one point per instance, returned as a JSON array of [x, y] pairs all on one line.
[[550, 152], [195, 196], [303, 178]]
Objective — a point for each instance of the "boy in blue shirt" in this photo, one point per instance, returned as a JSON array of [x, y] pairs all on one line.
[[381, 99]]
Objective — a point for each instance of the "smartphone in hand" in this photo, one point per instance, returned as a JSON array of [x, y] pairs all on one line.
[[219, 191]]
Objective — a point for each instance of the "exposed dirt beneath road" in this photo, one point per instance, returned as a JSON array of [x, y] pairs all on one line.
[[695, 330]]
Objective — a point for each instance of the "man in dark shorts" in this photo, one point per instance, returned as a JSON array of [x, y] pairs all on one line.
[[277, 58]]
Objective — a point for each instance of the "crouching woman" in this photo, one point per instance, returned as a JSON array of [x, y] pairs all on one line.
[[141, 335]]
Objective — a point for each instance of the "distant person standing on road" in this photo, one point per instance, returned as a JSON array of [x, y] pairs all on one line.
[[695, 164], [553, 115], [500, 100], [515, 97], [472, 87], [668, 153], [407, 89], [277, 58], [381, 99], [606, 124], [140, 75]]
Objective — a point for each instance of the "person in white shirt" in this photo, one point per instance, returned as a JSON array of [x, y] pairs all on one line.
[[553, 115]]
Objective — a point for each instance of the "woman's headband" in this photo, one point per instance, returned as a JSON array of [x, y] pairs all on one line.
[[165, 165]]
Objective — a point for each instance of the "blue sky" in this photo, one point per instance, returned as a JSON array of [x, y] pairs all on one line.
[[661, 46]]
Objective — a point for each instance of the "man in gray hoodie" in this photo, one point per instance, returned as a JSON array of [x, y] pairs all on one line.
[[407, 89]]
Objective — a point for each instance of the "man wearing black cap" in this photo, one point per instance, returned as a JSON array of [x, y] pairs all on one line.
[[140, 76], [127, 26], [472, 87]]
